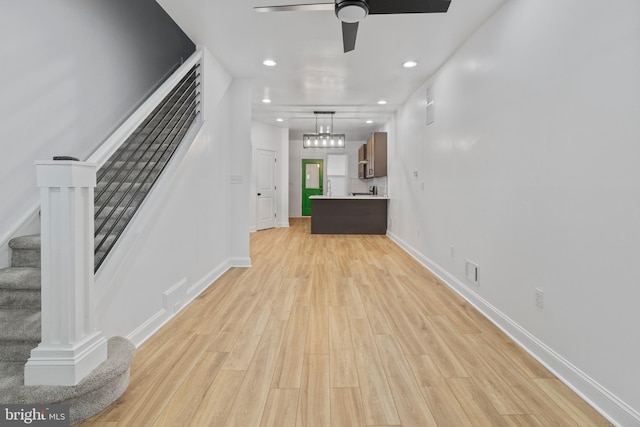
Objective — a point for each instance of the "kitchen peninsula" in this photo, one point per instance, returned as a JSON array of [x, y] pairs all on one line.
[[349, 214]]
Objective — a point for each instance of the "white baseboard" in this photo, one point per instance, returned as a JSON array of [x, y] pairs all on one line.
[[605, 402], [278, 225], [143, 332], [201, 285], [240, 262], [177, 297]]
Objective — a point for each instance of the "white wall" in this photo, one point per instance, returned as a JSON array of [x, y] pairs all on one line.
[[275, 139], [71, 73], [240, 160], [199, 230], [531, 171]]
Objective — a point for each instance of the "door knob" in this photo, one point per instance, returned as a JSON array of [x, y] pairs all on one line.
[[259, 194]]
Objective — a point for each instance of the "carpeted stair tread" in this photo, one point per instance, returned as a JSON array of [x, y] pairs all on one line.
[[94, 393], [25, 242], [20, 288], [25, 251], [19, 324], [20, 278], [11, 374]]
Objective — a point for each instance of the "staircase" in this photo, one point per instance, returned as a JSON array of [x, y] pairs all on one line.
[[122, 184], [20, 332], [128, 175], [19, 308]]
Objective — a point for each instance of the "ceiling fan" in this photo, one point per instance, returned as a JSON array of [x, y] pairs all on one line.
[[351, 12]]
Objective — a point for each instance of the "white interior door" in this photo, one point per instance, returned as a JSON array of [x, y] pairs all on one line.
[[265, 189]]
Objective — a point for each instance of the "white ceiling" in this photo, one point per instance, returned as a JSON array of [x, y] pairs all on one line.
[[312, 72]]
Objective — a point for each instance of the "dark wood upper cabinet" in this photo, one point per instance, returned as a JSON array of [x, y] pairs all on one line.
[[376, 155], [362, 161]]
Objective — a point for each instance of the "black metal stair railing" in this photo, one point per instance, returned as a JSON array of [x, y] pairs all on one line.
[[128, 175]]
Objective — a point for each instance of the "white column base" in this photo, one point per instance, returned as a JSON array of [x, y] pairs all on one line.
[[65, 364]]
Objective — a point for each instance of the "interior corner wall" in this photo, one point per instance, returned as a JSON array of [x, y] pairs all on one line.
[[275, 139], [240, 170], [71, 73], [530, 170]]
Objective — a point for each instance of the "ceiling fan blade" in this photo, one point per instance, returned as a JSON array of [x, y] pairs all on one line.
[[297, 7], [349, 32], [379, 7]]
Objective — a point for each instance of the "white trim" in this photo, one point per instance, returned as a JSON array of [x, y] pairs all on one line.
[[283, 224], [148, 328], [201, 285], [29, 223], [113, 142], [28, 216], [601, 399], [65, 365], [143, 332], [70, 346], [243, 262]]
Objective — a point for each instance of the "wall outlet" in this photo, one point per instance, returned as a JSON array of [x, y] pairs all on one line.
[[539, 298], [422, 185], [472, 271], [452, 251], [418, 233]]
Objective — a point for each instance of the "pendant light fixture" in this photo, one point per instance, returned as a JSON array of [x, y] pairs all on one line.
[[324, 137]]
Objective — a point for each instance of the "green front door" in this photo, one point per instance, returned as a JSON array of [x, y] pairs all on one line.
[[311, 183]]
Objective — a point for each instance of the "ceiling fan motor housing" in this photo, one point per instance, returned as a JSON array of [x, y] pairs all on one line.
[[351, 11]]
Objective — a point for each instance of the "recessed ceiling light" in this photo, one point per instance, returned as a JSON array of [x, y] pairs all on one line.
[[269, 62], [382, 102], [279, 120], [369, 122], [266, 100], [409, 64]]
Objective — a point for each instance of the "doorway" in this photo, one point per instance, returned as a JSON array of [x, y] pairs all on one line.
[[266, 189], [311, 182]]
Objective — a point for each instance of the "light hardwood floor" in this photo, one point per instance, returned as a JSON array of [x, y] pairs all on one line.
[[329, 330]]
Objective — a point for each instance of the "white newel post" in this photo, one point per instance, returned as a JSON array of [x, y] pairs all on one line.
[[70, 348]]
